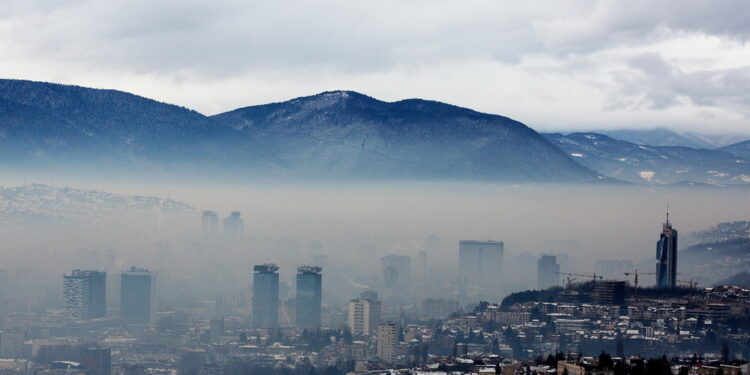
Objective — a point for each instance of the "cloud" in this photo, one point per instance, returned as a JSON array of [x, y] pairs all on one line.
[[660, 85], [587, 63]]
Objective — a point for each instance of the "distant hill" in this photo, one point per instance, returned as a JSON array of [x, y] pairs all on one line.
[[741, 149], [44, 122], [344, 133], [651, 164], [330, 135], [666, 137], [740, 279]]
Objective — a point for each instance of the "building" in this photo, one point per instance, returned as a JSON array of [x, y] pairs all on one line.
[[98, 361], [11, 344], [209, 224], [85, 294], [480, 265], [547, 272], [266, 296], [396, 277], [610, 292], [234, 227], [666, 257], [138, 296], [309, 296], [387, 342], [364, 314]]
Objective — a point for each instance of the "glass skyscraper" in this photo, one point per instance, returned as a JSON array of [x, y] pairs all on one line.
[[666, 257], [309, 296], [266, 296]]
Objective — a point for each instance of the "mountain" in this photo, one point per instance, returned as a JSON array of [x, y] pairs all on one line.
[[741, 149], [40, 203], [51, 123], [344, 133], [666, 137], [330, 135], [649, 164]]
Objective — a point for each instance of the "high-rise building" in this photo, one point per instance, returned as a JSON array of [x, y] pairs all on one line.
[[309, 296], [85, 294], [138, 296], [364, 313], [11, 344], [98, 361], [387, 342], [266, 296], [209, 224], [610, 292], [480, 265], [547, 272], [234, 227], [396, 277], [666, 257]]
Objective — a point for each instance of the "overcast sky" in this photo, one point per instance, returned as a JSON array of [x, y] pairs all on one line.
[[554, 65]]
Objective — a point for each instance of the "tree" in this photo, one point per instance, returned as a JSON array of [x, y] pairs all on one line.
[[605, 361], [551, 361]]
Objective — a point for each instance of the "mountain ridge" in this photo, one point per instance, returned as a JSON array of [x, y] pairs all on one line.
[[334, 134]]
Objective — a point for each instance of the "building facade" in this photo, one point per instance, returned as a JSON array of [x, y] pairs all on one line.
[[265, 296], [85, 294], [138, 296], [666, 257], [387, 342], [547, 272], [364, 314], [480, 266], [209, 224], [234, 227], [309, 296]]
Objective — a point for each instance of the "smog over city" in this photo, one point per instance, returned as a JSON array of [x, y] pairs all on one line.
[[350, 187]]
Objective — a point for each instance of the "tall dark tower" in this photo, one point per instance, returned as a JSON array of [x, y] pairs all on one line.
[[666, 257], [266, 296], [309, 296]]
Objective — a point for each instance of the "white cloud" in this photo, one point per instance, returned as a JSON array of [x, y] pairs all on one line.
[[553, 65]]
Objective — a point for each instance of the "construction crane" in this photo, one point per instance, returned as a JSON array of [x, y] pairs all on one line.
[[692, 284], [569, 282], [635, 281], [591, 275]]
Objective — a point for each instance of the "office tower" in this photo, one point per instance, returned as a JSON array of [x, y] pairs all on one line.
[[85, 294], [309, 296], [666, 257], [138, 296], [98, 361], [613, 268], [11, 344], [396, 277], [209, 224], [387, 342], [609, 292], [266, 296], [234, 227], [215, 329], [364, 313], [480, 266], [547, 272]]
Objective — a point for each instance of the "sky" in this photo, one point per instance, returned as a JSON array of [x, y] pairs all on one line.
[[554, 65]]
